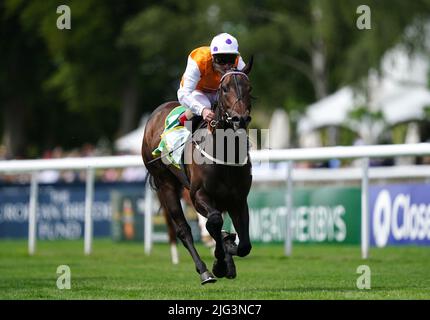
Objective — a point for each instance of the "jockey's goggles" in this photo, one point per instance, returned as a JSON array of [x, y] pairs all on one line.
[[225, 58]]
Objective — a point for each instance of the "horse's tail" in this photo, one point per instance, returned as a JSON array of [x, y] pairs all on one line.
[[150, 179], [169, 222]]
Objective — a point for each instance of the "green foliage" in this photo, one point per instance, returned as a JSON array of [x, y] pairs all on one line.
[[427, 112], [346, 136], [368, 124], [72, 83], [362, 113], [398, 133]]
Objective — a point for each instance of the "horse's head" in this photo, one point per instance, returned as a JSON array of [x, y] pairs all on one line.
[[234, 99]]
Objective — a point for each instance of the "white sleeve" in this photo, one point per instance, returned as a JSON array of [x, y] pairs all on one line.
[[240, 64], [191, 78]]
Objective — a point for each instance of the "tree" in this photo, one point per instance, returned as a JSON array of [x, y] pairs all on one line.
[[123, 58], [20, 77]]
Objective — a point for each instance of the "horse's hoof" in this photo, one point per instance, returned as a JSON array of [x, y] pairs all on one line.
[[207, 277], [231, 272], [231, 268], [219, 269]]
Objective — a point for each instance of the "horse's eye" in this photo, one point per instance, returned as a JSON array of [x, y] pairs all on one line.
[[224, 89]]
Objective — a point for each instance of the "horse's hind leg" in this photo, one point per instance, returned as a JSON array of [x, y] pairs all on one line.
[[169, 196], [172, 238]]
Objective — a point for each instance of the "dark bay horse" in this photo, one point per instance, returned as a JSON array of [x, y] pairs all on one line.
[[215, 186]]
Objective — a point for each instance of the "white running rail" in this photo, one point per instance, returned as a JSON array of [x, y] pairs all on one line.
[[290, 155]]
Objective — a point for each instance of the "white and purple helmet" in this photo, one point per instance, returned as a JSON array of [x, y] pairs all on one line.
[[224, 43]]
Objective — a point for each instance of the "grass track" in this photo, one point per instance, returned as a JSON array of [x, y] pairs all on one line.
[[123, 271]]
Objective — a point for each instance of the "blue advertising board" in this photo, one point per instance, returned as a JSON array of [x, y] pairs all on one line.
[[400, 214], [60, 211]]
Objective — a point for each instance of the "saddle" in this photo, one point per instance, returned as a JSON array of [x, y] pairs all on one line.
[[173, 139], [172, 122]]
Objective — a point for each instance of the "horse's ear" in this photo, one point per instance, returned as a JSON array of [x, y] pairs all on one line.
[[248, 66]]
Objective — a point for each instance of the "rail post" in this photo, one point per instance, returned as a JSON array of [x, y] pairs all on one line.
[[32, 213], [288, 247], [365, 209], [89, 196]]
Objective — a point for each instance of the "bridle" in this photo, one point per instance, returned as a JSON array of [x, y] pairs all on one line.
[[223, 116]]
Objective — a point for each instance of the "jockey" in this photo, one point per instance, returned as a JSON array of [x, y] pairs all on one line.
[[205, 67]]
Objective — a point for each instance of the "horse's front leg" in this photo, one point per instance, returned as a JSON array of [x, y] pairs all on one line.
[[240, 218], [214, 224]]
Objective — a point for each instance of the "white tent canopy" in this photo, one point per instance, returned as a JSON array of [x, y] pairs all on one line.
[[408, 105], [331, 110], [132, 141], [400, 93]]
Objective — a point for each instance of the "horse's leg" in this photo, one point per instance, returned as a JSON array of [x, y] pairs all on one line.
[[172, 237], [228, 241], [214, 224], [240, 218], [170, 197]]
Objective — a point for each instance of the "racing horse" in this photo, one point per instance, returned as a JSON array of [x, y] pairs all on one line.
[[215, 186]]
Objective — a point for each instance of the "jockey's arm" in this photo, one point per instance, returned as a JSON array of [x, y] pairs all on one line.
[[190, 80]]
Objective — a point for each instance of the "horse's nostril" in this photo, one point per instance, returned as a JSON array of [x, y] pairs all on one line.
[[248, 119]]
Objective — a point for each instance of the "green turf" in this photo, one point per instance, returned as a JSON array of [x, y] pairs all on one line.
[[123, 271]]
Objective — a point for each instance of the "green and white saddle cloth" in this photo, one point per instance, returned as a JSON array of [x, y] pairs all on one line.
[[173, 137]]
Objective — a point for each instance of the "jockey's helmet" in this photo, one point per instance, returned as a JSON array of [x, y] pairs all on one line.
[[224, 50], [224, 43]]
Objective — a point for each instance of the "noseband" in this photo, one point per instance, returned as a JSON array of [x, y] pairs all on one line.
[[232, 72]]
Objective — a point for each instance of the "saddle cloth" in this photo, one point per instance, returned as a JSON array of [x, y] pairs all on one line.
[[173, 138]]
